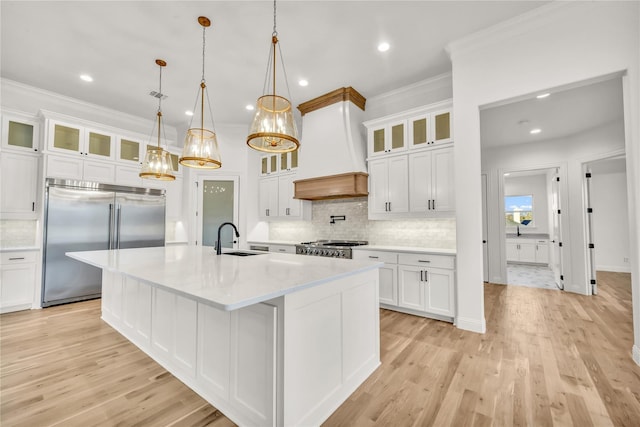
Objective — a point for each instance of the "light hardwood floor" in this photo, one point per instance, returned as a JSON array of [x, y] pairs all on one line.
[[548, 358]]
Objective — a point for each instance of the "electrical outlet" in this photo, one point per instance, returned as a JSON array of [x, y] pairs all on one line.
[[625, 260]]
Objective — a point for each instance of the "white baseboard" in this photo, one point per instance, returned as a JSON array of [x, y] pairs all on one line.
[[473, 325], [614, 268], [636, 354]]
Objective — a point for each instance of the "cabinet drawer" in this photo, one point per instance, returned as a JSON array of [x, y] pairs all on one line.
[[427, 260], [386, 257], [284, 249], [18, 257]]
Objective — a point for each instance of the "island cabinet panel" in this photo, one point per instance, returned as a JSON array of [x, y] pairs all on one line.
[[174, 326], [213, 334], [331, 344], [136, 310], [253, 355]]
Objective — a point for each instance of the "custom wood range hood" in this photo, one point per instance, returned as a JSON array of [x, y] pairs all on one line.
[[333, 148]]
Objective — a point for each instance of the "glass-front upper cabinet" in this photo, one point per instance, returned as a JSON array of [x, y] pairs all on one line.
[[129, 150], [430, 128], [269, 164], [289, 161], [20, 132], [388, 138], [72, 139]]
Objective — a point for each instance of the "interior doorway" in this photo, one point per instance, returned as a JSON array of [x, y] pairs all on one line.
[[607, 218], [532, 226], [217, 204]]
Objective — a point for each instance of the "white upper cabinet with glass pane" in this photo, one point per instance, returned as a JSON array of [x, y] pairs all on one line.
[[275, 163], [66, 138], [418, 128], [21, 132], [387, 138], [430, 128]]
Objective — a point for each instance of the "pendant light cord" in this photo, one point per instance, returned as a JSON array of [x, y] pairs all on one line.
[[159, 104], [275, 32], [204, 40]]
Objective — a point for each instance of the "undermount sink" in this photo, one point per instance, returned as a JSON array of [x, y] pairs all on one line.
[[240, 253]]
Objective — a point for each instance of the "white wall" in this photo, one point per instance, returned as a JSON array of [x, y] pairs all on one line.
[[610, 230], [536, 186], [555, 45]]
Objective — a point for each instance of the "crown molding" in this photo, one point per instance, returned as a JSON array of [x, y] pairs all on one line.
[[513, 27], [432, 83]]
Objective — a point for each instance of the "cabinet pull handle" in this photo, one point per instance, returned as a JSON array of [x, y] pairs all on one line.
[[421, 275], [282, 250], [389, 206], [267, 211], [422, 260], [373, 257], [33, 206], [426, 277], [429, 204], [434, 204], [16, 258]]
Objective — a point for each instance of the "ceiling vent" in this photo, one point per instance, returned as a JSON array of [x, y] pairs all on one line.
[[158, 95]]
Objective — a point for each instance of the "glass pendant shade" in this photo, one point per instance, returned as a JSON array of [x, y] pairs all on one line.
[[157, 161], [273, 129], [201, 149], [157, 165]]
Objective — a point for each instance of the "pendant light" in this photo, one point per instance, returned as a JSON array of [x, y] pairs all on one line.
[[273, 129], [157, 161], [200, 144]]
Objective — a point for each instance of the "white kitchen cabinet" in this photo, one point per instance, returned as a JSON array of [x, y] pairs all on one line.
[[430, 128], [276, 200], [426, 283], [387, 138], [130, 150], [431, 181], [17, 280], [283, 249], [129, 175], [288, 161], [269, 164], [174, 198], [542, 251], [527, 250], [388, 187], [268, 198], [388, 280], [20, 132], [19, 187], [66, 167], [68, 138]]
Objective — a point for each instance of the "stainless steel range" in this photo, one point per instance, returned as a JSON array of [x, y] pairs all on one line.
[[329, 248]]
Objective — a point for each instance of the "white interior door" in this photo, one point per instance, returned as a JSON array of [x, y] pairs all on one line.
[[217, 204], [485, 216], [556, 231]]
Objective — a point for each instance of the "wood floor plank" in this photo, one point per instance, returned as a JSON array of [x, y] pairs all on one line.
[[548, 358]]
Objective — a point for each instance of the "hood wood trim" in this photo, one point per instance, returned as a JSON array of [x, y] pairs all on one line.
[[338, 95], [344, 185]]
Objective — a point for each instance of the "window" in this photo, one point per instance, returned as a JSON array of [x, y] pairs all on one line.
[[518, 210]]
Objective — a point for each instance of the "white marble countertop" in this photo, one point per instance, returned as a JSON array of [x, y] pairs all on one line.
[[437, 251], [272, 242], [226, 281]]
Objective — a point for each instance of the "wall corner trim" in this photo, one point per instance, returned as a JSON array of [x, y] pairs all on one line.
[[473, 325]]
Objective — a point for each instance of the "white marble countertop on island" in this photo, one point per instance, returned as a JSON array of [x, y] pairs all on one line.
[[273, 242], [226, 281], [405, 249]]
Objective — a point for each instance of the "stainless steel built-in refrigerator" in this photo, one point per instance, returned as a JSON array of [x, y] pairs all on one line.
[[85, 216]]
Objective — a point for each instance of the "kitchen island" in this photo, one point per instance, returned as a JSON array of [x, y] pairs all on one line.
[[268, 339]]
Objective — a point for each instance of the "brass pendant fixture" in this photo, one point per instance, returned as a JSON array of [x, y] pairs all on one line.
[[157, 161], [201, 145], [273, 129]]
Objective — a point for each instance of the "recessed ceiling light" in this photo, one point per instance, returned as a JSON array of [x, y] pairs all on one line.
[[188, 113], [507, 174], [86, 77], [543, 95], [535, 131], [250, 107], [383, 47], [303, 82]]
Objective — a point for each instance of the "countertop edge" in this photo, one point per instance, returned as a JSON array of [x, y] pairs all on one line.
[[406, 249]]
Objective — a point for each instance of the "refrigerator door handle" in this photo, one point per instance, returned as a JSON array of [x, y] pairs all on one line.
[[119, 221], [111, 224]]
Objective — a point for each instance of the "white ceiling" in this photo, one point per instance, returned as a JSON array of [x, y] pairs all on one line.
[[566, 111], [330, 43]]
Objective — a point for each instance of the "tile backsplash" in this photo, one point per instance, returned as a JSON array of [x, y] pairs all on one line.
[[18, 233], [430, 233]]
